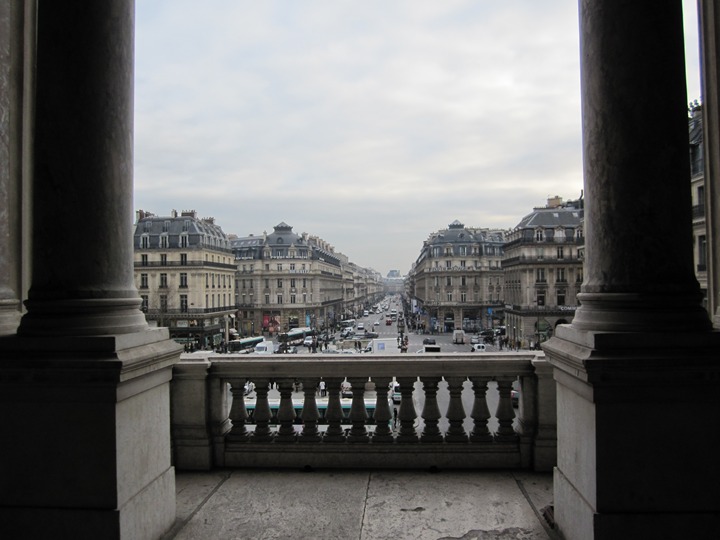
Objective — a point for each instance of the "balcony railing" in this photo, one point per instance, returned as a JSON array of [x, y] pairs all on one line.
[[455, 411]]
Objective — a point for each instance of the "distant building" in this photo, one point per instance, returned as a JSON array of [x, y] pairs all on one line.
[[697, 186], [287, 280], [185, 272], [456, 281], [543, 270]]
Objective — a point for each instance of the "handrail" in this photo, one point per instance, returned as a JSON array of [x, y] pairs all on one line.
[[477, 428]]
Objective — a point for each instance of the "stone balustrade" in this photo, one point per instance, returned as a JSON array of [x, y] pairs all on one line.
[[454, 411]]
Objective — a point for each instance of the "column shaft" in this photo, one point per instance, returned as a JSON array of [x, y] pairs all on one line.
[[638, 246], [82, 279]]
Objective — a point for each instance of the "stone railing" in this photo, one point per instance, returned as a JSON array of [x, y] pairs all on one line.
[[455, 411]]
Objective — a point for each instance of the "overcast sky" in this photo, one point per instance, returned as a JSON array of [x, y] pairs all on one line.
[[370, 124]]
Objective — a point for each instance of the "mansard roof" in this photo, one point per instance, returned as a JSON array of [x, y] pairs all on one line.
[[284, 235], [548, 218]]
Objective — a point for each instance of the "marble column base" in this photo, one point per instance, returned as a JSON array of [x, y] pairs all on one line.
[[86, 425], [637, 423]]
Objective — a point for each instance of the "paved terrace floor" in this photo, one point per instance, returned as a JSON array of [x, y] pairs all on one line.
[[362, 505]]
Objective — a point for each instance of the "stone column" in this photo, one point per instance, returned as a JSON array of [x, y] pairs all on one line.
[[84, 385], [11, 136], [635, 457], [710, 48], [82, 196]]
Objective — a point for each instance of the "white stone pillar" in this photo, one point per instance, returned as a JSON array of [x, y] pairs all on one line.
[[84, 385], [710, 48], [11, 137], [636, 434]]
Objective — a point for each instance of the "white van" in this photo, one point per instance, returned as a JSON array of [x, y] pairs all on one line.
[[265, 347], [459, 337]]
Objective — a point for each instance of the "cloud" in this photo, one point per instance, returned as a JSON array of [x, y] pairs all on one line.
[[370, 124]]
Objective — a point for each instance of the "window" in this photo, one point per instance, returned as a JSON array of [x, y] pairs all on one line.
[[463, 280], [212, 279], [267, 283], [463, 251], [561, 297], [437, 281], [449, 297], [163, 259], [448, 264], [292, 266], [540, 275], [243, 283], [183, 303], [163, 281], [186, 225], [144, 259], [702, 253], [561, 275], [560, 252], [144, 305], [292, 282], [540, 298], [539, 236], [304, 283], [183, 259], [163, 303], [144, 241], [164, 243], [579, 276], [448, 281], [279, 267], [184, 240], [292, 298], [143, 281], [267, 298], [279, 299], [462, 264], [166, 226], [183, 280], [463, 297], [279, 282]]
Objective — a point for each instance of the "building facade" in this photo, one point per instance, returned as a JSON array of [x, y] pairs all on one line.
[[697, 187], [456, 281], [185, 272], [287, 280], [542, 271]]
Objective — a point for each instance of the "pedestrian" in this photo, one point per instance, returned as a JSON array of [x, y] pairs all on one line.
[[322, 388]]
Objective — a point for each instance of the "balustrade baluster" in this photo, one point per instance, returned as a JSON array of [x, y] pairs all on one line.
[[262, 414], [333, 413], [505, 412], [456, 412], [383, 414], [358, 413], [286, 412], [238, 412], [407, 414], [431, 411], [310, 414], [480, 412]]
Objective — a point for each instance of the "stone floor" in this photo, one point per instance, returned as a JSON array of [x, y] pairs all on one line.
[[363, 505]]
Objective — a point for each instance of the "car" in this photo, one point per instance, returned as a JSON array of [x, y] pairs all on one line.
[[376, 323], [371, 335], [388, 322], [361, 326], [475, 339], [396, 396], [429, 341], [308, 341], [477, 347]]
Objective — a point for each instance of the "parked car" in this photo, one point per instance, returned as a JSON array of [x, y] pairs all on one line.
[[475, 339], [308, 341], [477, 347], [371, 335], [376, 323], [429, 341], [388, 322]]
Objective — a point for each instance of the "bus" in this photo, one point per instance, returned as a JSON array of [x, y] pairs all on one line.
[[295, 336], [347, 323], [244, 345]]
